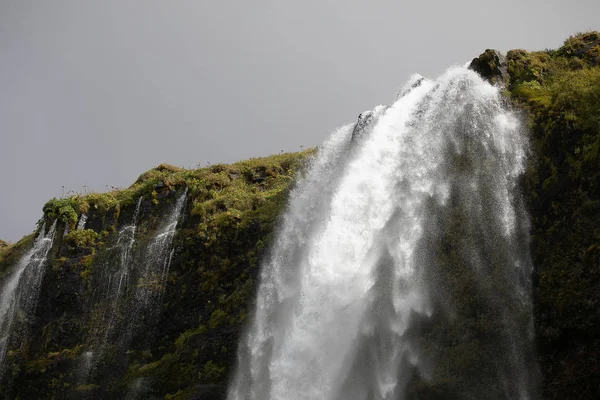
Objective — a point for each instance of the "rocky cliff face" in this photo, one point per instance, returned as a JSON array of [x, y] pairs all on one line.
[[559, 92], [83, 343], [119, 316]]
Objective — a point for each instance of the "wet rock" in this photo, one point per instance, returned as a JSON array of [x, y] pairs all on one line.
[[414, 82], [364, 119], [208, 392], [366, 122], [492, 66]]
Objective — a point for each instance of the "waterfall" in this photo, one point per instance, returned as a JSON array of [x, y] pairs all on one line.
[[115, 282], [401, 266], [19, 293], [125, 240], [82, 221], [158, 256], [147, 300], [154, 269]]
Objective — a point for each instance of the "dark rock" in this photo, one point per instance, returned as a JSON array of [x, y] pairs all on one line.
[[163, 195], [492, 66], [364, 119], [208, 392], [366, 122], [412, 84]]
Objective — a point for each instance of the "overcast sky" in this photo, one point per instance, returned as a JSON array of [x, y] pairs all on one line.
[[96, 92]]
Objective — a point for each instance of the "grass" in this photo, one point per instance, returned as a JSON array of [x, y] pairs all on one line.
[[239, 186]]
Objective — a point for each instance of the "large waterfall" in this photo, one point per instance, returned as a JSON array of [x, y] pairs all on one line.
[[401, 267]]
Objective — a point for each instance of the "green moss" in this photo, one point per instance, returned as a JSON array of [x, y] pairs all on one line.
[[218, 318], [211, 371], [560, 89], [62, 209], [51, 359], [582, 45], [86, 265], [183, 338], [11, 254], [180, 395], [87, 388], [82, 238]]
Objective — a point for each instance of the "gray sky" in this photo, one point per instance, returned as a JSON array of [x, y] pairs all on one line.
[[96, 92]]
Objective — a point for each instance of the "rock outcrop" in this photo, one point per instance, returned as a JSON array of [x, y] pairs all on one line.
[[492, 66]]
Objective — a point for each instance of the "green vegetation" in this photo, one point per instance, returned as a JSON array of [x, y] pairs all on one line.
[[230, 216], [82, 238], [560, 89], [10, 254]]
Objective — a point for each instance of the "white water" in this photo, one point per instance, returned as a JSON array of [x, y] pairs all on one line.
[[125, 240], [82, 221], [116, 282], [150, 286], [19, 293], [351, 271], [157, 260]]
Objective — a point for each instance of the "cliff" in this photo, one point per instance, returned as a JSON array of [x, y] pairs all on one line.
[[559, 91], [189, 344], [122, 312]]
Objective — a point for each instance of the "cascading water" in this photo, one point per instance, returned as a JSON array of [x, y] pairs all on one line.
[[116, 281], [158, 257], [150, 286], [125, 240], [82, 221], [401, 267], [155, 268], [19, 293]]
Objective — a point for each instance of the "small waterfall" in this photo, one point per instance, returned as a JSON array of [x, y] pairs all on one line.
[[20, 290], [115, 282], [155, 267], [84, 366], [146, 302], [82, 221], [125, 240], [401, 264]]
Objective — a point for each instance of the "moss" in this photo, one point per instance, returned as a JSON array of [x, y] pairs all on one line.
[[51, 359], [10, 255], [583, 45], [490, 65], [87, 388], [183, 338], [560, 89], [211, 371], [180, 395], [86, 265], [218, 318], [62, 209], [82, 238]]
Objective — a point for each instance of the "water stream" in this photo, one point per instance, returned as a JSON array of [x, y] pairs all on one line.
[[401, 266]]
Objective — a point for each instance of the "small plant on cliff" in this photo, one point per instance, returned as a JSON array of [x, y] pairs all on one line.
[[62, 209]]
